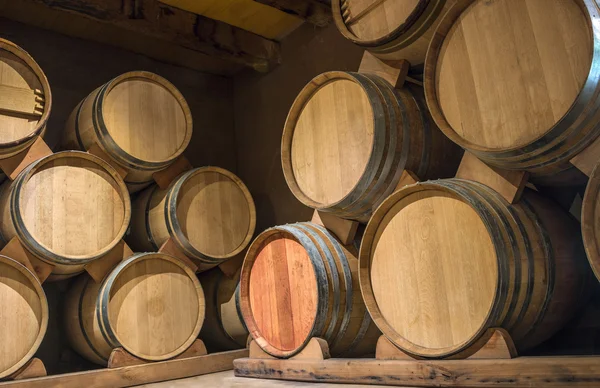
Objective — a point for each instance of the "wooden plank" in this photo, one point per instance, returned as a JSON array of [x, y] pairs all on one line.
[[344, 230], [394, 72], [587, 159], [20, 101], [231, 266], [34, 368], [136, 374], [99, 152], [509, 184], [407, 178], [15, 164], [164, 177], [153, 29], [16, 251], [98, 269], [312, 11], [170, 248], [120, 357], [316, 349], [249, 15], [520, 372]]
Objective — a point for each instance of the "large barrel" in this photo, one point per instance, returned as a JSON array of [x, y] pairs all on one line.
[[299, 282], [67, 209], [207, 211], [151, 304], [516, 82], [224, 327], [23, 315], [442, 262], [349, 136], [140, 120], [590, 221], [398, 29], [25, 100]]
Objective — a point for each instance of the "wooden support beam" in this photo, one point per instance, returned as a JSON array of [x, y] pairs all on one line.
[[120, 357], [21, 101], [313, 11], [151, 28], [15, 164]]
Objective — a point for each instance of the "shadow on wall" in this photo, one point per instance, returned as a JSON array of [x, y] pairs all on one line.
[[261, 104]]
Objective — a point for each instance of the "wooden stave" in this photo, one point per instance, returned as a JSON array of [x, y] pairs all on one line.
[[12, 148], [99, 339], [347, 336], [397, 113], [64, 266], [539, 325], [213, 333], [550, 154], [409, 41], [45, 313], [144, 235], [588, 228], [139, 172]]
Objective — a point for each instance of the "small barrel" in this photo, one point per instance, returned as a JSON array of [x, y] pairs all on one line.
[[23, 315], [516, 82], [139, 119], [590, 221], [398, 29], [207, 211], [25, 100], [442, 262], [299, 282], [224, 327], [151, 304], [349, 136], [67, 209]]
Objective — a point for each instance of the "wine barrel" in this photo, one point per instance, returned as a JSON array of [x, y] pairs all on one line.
[[299, 282], [208, 211], [224, 327], [140, 120], [390, 29], [349, 136], [25, 100], [442, 262], [516, 82], [23, 315], [67, 209], [590, 221], [151, 304]]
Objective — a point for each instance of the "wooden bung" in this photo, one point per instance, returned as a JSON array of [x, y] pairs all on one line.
[[151, 304], [516, 82], [68, 209], [25, 100], [223, 327], [443, 261], [299, 282], [23, 315], [139, 119], [208, 212], [390, 29], [349, 136]]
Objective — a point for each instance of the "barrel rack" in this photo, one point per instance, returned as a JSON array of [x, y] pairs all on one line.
[[124, 369], [491, 362]]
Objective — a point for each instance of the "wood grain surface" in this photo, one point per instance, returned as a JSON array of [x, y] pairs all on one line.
[[23, 315], [139, 119], [375, 19], [68, 209], [26, 99], [470, 262], [515, 82], [151, 304], [208, 211]]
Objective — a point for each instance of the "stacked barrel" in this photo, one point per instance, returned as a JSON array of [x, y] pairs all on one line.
[[441, 261], [64, 215]]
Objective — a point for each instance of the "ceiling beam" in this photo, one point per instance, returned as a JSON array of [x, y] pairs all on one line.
[[313, 11], [156, 30]]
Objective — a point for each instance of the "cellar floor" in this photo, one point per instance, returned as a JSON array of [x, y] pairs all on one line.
[[228, 380]]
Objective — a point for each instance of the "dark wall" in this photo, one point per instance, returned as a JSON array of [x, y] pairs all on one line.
[[261, 106], [75, 67]]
